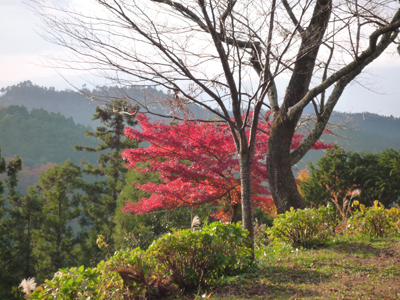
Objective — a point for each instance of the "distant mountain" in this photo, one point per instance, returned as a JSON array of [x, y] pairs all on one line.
[[376, 124], [81, 107], [67, 103], [40, 137], [357, 132]]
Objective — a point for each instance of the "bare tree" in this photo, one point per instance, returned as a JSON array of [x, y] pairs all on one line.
[[226, 55]]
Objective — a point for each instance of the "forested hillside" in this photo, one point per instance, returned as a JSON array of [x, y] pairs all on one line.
[[43, 132], [68, 102], [360, 132], [39, 137], [78, 106], [363, 132]]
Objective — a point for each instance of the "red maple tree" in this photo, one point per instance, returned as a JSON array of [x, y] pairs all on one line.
[[197, 163]]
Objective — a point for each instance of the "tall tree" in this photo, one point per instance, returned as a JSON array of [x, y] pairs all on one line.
[[20, 215], [9, 259], [23, 220], [230, 53], [101, 197], [56, 241]]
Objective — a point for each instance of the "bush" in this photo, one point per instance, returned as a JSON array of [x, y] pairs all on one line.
[[75, 283], [196, 257], [183, 259], [375, 221], [307, 228]]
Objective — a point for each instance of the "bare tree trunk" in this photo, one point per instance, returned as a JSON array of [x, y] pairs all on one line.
[[247, 195], [282, 184], [279, 168]]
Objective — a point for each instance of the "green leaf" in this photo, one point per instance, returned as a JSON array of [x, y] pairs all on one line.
[[70, 282]]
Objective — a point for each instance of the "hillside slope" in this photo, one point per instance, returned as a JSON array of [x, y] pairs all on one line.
[[40, 137]]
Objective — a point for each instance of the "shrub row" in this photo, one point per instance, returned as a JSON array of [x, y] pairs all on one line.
[[313, 227], [185, 260], [181, 260]]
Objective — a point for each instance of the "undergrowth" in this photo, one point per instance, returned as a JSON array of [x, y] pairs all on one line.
[[306, 252]]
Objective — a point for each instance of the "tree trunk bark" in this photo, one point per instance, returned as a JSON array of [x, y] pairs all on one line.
[[279, 170], [235, 209], [282, 184], [247, 195]]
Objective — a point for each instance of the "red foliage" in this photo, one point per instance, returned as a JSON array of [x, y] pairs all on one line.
[[197, 163]]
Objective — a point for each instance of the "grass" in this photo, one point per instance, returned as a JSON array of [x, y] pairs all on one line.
[[345, 269]]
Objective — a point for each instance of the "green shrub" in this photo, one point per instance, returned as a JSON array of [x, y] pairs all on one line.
[[375, 221], [308, 228], [75, 283], [183, 259], [129, 274], [196, 257]]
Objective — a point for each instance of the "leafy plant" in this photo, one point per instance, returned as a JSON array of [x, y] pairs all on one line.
[[307, 228], [126, 275], [196, 257], [69, 284], [375, 221], [184, 259]]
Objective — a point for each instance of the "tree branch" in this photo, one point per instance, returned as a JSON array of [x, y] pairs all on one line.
[[348, 75], [388, 34]]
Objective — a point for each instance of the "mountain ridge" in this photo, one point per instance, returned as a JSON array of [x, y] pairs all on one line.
[[363, 131]]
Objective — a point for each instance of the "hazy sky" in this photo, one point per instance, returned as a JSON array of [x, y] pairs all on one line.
[[22, 52]]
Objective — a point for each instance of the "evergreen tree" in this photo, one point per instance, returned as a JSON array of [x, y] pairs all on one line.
[[56, 242], [135, 230], [100, 203], [10, 250], [338, 173], [25, 217]]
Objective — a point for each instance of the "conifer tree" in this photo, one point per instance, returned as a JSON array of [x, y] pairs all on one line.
[[25, 218], [56, 241], [8, 240], [132, 230], [101, 201]]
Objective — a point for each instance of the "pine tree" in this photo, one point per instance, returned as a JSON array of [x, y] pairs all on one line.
[[100, 204]]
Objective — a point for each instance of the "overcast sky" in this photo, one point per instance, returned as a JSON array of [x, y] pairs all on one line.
[[22, 52]]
